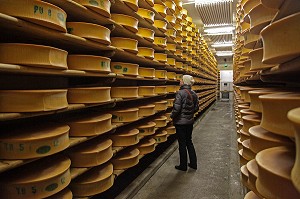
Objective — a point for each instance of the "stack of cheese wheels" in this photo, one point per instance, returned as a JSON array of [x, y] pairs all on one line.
[[92, 153], [89, 95], [161, 136], [161, 105], [90, 31], [28, 183], [125, 137], [160, 121], [41, 56], [146, 91], [30, 11], [147, 129], [146, 146], [125, 92], [95, 181], [146, 33], [100, 7], [126, 159], [147, 72], [91, 125], [126, 115], [147, 110], [126, 21], [125, 68], [125, 44], [89, 63], [32, 100], [37, 141]]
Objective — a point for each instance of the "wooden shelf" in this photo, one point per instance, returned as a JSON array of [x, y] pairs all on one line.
[[45, 36]]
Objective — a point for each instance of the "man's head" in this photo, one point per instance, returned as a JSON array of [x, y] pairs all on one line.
[[188, 80]]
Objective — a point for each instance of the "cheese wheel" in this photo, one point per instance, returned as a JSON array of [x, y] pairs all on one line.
[[126, 21], [37, 141], [160, 90], [133, 4], [125, 92], [95, 181], [161, 74], [171, 47], [171, 19], [250, 40], [146, 110], [179, 77], [146, 33], [274, 173], [171, 88], [244, 135], [256, 57], [92, 153], [35, 11], [170, 102], [32, 100], [148, 15], [251, 195], [90, 125], [247, 153], [171, 33], [245, 92], [126, 159], [160, 137], [179, 64], [160, 41], [272, 4], [243, 161], [240, 146], [249, 121], [90, 31], [64, 194], [171, 75], [245, 112], [161, 105], [89, 63], [127, 115], [40, 56], [89, 95], [147, 72], [161, 9], [171, 6], [147, 129], [160, 121], [125, 138], [178, 39], [125, 68], [146, 91], [171, 61], [261, 139], [25, 182], [171, 130], [253, 173], [161, 25], [146, 146], [146, 52], [100, 6], [161, 57], [168, 115], [190, 21], [126, 44], [245, 176], [275, 114], [184, 13], [249, 5], [178, 28]]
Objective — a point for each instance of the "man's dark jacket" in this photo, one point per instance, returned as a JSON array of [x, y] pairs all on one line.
[[185, 106]]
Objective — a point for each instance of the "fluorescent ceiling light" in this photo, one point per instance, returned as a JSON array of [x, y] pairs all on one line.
[[223, 44], [211, 1], [219, 30], [224, 53]]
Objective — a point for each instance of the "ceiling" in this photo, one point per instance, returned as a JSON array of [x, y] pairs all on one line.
[[210, 15]]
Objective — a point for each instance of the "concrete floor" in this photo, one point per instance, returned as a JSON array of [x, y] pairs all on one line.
[[217, 176]]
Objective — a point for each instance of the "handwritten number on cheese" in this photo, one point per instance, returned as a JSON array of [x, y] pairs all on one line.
[[21, 190]]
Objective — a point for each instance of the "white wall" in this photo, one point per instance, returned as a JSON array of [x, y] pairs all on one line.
[[226, 76]]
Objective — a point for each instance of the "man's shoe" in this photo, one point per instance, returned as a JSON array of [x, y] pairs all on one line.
[[191, 166], [180, 168]]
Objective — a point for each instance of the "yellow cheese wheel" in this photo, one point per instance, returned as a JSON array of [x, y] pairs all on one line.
[[171, 130], [251, 195], [92, 153], [125, 68], [256, 57], [249, 121], [161, 9], [25, 182], [146, 146], [127, 115], [127, 21], [133, 4], [179, 64], [178, 28], [161, 25], [95, 181], [168, 115], [125, 138], [247, 153], [89, 63], [160, 136], [171, 19], [160, 41], [126, 44], [161, 57], [35, 11], [171, 88], [250, 39], [243, 161], [91, 125], [170, 102], [160, 121], [178, 39], [64, 194], [171, 47], [179, 77], [184, 35], [161, 74], [146, 91], [184, 13], [253, 173], [160, 89], [89, 95], [32, 100], [40, 56], [171, 61], [245, 176], [146, 52], [126, 159], [161, 105], [171, 6], [146, 110], [147, 129], [171, 33], [240, 146], [90, 31], [124, 92], [100, 6], [33, 142], [147, 72], [146, 14], [171, 75], [146, 33]]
